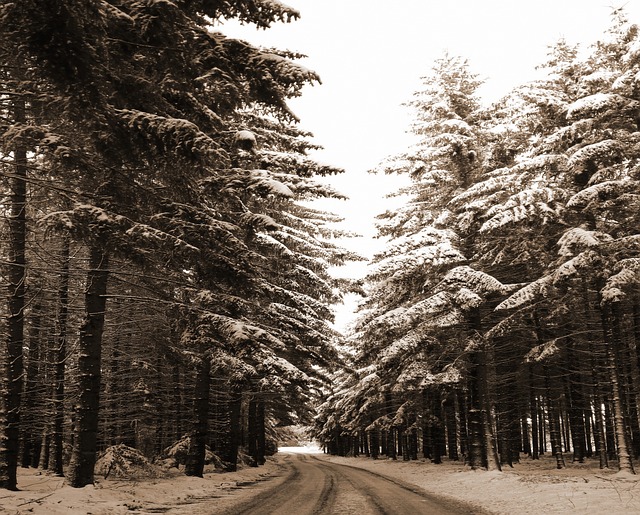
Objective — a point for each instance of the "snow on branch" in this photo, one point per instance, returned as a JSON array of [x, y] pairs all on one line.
[[407, 345], [624, 281], [234, 331], [269, 241], [578, 239], [592, 105], [584, 263], [542, 353], [279, 367], [304, 303], [479, 282], [533, 203], [483, 188], [602, 152], [109, 10], [420, 375], [236, 368], [87, 219], [178, 135], [258, 222], [405, 256], [527, 294], [262, 182], [602, 191], [145, 233]]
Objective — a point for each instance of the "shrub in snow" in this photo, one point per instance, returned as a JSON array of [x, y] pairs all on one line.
[[125, 462], [177, 454]]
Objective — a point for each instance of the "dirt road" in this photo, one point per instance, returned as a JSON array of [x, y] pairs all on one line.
[[314, 486]]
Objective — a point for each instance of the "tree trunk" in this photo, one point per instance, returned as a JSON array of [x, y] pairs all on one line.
[[392, 447], [60, 362], [177, 403], [252, 437], [413, 443], [610, 430], [597, 396], [476, 456], [197, 446], [452, 423], [261, 433], [611, 330], [36, 355], [235, 405], [601, 441], [45, 449], [462, 426], [533, 403], [437, 429], [631, 360], [482, 449], [364, 440], [16, 277], [488, 420], [83, 456], [576, 404], [375, 444], [553, 395]]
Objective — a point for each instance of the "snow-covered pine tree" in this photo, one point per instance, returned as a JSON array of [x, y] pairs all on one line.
[[422, 308], [282, 345]]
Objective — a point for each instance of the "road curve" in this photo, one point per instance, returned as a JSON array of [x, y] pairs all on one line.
[[314, 486]]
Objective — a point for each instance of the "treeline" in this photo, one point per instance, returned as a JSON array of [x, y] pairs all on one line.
[[165, 287], [503, 317]]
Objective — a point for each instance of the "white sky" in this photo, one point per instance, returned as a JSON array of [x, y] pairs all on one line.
[[371, 54]]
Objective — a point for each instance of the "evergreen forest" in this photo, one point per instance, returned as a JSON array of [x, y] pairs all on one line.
[[168, 283]]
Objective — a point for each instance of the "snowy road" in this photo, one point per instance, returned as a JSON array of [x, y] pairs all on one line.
[[314, 486]]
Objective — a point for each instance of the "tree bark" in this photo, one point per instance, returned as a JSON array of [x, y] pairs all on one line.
[[60, 362], [597, 396], [576, 404], [16, 277], [553, 395], [83, 456], [476, 456], [452, 423], [610, 321], [437, 429], [488, 419], [261, 432], [252, 437], [197, 446], [481, 413], [36, 355], [533, 403], [235, 404]]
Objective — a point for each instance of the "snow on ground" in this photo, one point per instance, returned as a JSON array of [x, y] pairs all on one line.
[[42, 494], [531, 487], [306, 449]]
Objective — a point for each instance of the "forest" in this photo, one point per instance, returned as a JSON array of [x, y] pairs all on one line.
[[167, 290], [502, 319], [168, 283]]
